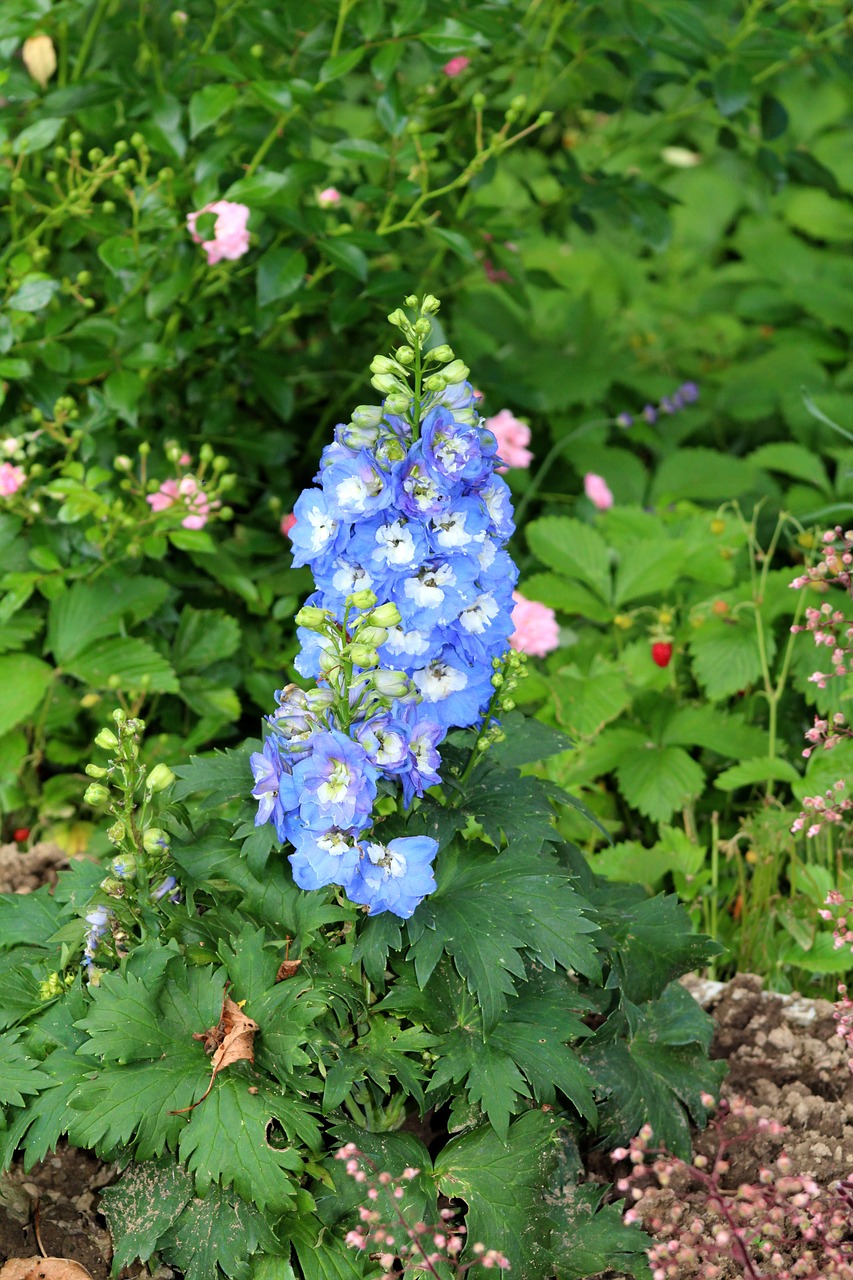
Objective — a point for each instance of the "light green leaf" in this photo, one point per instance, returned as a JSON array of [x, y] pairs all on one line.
[[37, 136], [503, 1185], [341, 64], [658, 780], [204, 636], [647, 568], [208, 104], [720, 731], [124, 664], [572, 548], [34, 293], [732, 88], [585, 703], [567, 595], [24, 681], [792, 460], [750, 772], [726, 655], [86, 612]]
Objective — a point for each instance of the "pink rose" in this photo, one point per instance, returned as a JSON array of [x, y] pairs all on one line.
[[595, 488], [287, 523], [11, 479], [513, 437], [185, 491], [536, 631], [230, 236], [456, 66], [329, 197]]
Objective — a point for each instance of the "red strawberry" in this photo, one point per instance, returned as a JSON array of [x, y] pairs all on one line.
[[21, 834], [661, 653]]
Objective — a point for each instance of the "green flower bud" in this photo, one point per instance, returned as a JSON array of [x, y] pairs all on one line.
[[95, 771], [411, 301], [113, 887], [106, 739], [382, 364], [96, 794], [108, 206], [545, 117], [155, 840], [519, 102], [76, 138], [329, 661], [385, 382], [206, 452], [115, 834], [422, 327], [442, 353], [399, 319], [385, 615], [456, 371], [137, 140], [122, 462], [398, 403], [391, 684], [367, 415], [363, 655], [120, 147], [435, 382], [95, 155], [478, 101], [373, 636], [311, 616], [404, 355], [430, 305], [364, 599], [159, 778]]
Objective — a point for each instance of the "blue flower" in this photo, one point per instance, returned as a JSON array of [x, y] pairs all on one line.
[[330, 857], [453, 691], [355, 486], [317, 530], [386, 742], [419, 493], [395, 877], [453, 451], [336, 783], [424, 760], [460, 528], [435, 594]]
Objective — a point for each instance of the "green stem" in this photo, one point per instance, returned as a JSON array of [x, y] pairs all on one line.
[[343, 11], [715, 882], [274, 133], [550, 458], [88, 39]]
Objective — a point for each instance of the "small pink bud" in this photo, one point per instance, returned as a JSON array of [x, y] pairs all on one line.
[[329, 197], [456, 66], [596, 489]]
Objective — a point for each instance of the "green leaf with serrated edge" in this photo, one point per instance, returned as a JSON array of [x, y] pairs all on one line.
[[189, 1002], [134, 1102], [750, 772], [24, 681], [646, 568], [377, 936], [28, 918], [527, 740], [20, 974], [574, 549], [652, 943], [659, 780], [221, 776], [589, 1237], [391, 1152], [251, 966], [584, 703], [507, 804], [503, 1185], [720, 731], [46, 1117], [655, 1075], [142, 1206], [89, 611], [529, 904], [19, 1073], [124, 663], [567, 595], [226, 1141], [204, 636], [124, 1022], [323, 1255], [285, 1014], [216, 1234]]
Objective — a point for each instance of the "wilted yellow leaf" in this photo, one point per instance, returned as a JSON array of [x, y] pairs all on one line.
[[40, 58]]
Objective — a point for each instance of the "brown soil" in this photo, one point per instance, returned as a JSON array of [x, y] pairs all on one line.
[[23, 870]]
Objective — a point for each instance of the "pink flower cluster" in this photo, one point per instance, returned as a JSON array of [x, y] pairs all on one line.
[[230, 232], [387, 1233], [784, 1227], [826, 733], [536, 630], [11, 479], [827, 808], [187, 492], [513, 437]]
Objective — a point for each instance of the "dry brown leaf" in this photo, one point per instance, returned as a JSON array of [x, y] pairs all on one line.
[[287, 969], [237, 1039], [232, 1040], [43, 1269], [39, 58]]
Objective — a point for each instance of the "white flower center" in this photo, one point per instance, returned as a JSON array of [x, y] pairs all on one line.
[[394, 864], [335, 787], [476, 616], [395, 544], [438, 681]]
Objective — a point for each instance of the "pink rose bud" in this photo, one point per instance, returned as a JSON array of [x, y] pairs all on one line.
[[456, 66], [230, 234], [595, 488], [513, 437], [11, 479], [536, 631], [287, 523], [329, 197]]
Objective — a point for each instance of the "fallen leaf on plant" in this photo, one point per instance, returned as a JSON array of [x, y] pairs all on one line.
[[231, 1040], [43, 1269], [287, 969]]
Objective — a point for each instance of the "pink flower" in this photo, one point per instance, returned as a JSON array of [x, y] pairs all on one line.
[[513, 437], [456, 66], [536, 631], [287, 523], [187, 492], [329, 197], [230, 236], [595, 488], [11, 479]]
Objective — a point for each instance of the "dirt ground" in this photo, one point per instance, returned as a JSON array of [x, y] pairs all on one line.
[[782, 1051]]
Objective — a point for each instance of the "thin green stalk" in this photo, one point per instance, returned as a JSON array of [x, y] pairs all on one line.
[[88, 39], [550, 458], [343, 12], [274, 133]]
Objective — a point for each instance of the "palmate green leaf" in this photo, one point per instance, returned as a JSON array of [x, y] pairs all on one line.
[[135, 1101], [142, 1206], [204, 636], [124, 663], [392, 1152], [221, 776], [323, 1255], [19, 1073], [726, 656], [717, 730], [529, 905], [226, 1141], [590, 1237], [124, 1021], [572, 548], [508, 805], [88, 612], [31, 918], [584, 703], [216, 1235], [656, 1073], [527, 740], [503, 1184]]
